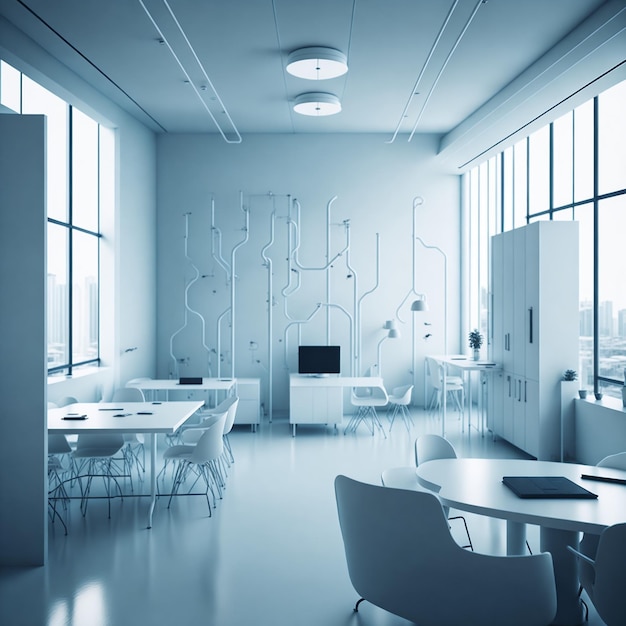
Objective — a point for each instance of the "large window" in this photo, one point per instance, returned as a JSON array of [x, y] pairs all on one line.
[[73, 205], [571, 169]]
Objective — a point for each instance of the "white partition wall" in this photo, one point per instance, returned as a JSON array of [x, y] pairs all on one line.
[[23, 444]]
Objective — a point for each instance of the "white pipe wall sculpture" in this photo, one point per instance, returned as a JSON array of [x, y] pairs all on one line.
[[226, 287]]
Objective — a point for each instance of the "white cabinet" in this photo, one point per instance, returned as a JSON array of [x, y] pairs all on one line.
[[535, 331], [319, 400], [249, 408]]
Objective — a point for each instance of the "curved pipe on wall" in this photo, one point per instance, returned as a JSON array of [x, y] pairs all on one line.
[[267, 262], [188, 308], [233, 256]]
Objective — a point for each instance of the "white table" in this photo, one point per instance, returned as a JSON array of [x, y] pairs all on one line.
[[168, 385], [319, 399], [164, 417], [466, 366], [475, 485]]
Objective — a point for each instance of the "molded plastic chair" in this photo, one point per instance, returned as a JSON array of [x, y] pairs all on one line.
[[454, 386], [94, 455], [200, 460], [589, 543], [366, 399], [419, 573], [430, 447], [605, 583], [399, 400], [134, 443]]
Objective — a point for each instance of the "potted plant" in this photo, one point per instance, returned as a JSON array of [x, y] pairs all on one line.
[[570, 375], [475, 342]]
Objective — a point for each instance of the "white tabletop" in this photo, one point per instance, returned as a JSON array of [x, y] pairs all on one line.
[[164, 417], [475, 485], [464, 362], [335, 381], [171, 384]]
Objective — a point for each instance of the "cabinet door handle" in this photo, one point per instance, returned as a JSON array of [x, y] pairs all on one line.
[[519, 387], [525, 391], [530, 325], [509, 381]]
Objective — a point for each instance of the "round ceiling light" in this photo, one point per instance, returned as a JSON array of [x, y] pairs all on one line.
[[317, 63], [317, 104]]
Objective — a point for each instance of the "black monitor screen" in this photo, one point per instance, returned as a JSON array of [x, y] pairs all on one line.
[[319, 359]]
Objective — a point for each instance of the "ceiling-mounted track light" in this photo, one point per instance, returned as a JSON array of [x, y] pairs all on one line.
[[317, 104], [317, 63]]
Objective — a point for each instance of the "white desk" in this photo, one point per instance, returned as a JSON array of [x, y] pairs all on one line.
[[168, 385], [319, 400], [466, 366], [475, 485], [164, 417]]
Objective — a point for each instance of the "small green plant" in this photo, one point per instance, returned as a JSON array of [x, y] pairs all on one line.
[[570, 375], [475, 339]]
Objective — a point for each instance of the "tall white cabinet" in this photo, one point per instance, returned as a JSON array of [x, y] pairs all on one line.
[[535, 328]]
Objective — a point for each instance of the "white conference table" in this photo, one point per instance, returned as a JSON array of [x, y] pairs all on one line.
[[149, 418], [466, 366], [475, 485]]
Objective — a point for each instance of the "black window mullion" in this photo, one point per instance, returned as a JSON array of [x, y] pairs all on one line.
[[596, 238]]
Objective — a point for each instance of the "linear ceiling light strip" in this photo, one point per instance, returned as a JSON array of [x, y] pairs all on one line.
[[188, 77], [421, 74], [443, 67]]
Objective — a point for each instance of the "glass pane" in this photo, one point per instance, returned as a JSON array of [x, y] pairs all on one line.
[[507, 189], [10, 87], [612, 139], [84, 297], [583, 152], [539, 171], [84, 171], [612, 295], [37, 100], [58, 296], [520, 182], [584, 215], [563, 157]]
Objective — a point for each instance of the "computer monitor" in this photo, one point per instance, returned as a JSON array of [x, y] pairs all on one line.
[[319, 360]]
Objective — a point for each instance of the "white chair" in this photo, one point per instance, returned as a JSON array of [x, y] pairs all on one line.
[[134, 443], [589, 543], [454, 387], [607, 575], [420, 573], [399, 400], [59, 449], [366, 399], [229, 405], [430, 447], [199, 460], [94, 454]]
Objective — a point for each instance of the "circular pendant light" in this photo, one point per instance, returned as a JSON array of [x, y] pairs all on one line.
[[317, 104], [317, 63]]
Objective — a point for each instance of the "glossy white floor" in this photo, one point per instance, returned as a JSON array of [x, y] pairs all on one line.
[[270, 555]]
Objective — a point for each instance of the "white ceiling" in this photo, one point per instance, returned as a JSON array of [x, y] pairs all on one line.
[[243, 46]]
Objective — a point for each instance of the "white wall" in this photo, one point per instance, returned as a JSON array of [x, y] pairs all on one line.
[[23, 445], [375, 184]]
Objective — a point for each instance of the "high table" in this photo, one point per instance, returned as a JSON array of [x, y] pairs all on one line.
[[149, 418], [466, 366], [475, 485]]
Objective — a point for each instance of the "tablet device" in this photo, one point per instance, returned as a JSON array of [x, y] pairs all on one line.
[[545, 487]]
